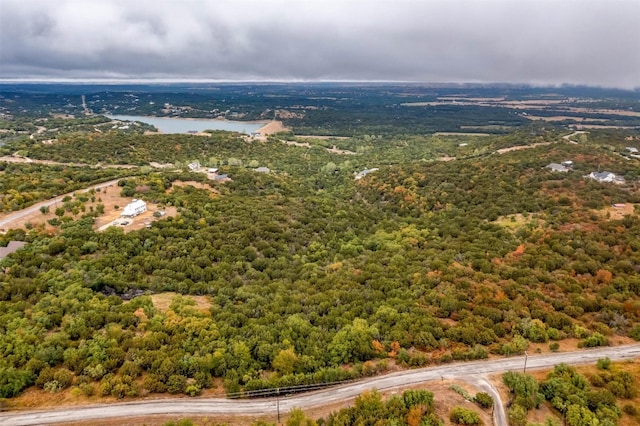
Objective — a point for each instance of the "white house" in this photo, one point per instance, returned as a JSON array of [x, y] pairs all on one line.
[[363, 173], [555, 167], [632, 149], [606, 177], [134, 208]]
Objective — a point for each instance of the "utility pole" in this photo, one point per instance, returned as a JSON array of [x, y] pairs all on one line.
[[278, 403], [526, 355]]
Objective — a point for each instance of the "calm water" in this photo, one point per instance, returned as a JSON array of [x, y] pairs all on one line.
[[183, 125]]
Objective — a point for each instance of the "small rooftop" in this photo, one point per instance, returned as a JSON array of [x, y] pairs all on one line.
[[10, 248], [555, 167]]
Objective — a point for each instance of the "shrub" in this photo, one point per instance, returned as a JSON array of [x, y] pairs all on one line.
[[604, 364], [483, 399], [595, 340], [193, 390], [87, 389], [176, 383], [464, 416]]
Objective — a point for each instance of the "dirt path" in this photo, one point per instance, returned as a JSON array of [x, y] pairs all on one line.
[[520, 147], [20, 159], [568, 137], [10, 220]]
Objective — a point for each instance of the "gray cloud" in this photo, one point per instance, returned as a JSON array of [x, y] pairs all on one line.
[[595, 42]]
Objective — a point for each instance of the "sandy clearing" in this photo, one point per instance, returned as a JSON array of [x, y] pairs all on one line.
[[300, 144], [618, 212], [272, 127], [199, 185], [162, 301], [111, 198], [521, 147], [335, 150]]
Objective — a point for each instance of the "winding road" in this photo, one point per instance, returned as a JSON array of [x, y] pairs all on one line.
[[475, 373]]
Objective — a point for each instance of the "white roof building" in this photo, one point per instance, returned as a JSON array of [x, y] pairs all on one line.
[[134, 208], [606, 177], [555, 167], [363, 173]]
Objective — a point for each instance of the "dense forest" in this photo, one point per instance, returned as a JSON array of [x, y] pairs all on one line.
[[310, 275]]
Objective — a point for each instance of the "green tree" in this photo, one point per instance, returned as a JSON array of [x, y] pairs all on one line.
[[284, 362]]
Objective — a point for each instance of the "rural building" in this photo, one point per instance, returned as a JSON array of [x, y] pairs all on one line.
[[134, 208], [366, 172], [555, 167], [10, 248], [213, 170], [606, 177], [262, 170], [222, 177], [194, 166], [567, 163], [632, 149]]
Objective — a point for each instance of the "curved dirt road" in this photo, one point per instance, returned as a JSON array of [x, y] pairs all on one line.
[[6, 221], [474, 372]]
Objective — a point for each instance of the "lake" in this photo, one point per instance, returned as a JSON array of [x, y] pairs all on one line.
[[186, 125]]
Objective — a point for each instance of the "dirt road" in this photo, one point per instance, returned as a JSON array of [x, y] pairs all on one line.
[[474, 372], [7, 221]]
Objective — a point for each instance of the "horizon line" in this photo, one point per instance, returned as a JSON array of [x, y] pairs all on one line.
[[151, 81]]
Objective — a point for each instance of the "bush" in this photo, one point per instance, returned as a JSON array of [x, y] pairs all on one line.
[[153, 384], [554, 347], [12, 381], [193, 390], [595, 340], [635, 333], [464, 416], [176, 383], [87, 389], [483, 399], [604, 364]]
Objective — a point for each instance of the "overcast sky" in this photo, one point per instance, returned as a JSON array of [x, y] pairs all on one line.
[[594, 42]]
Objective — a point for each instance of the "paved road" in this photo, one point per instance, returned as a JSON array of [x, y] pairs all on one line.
[[6, 222], [474, 372]]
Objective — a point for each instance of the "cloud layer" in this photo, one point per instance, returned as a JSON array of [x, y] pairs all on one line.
[[594, 42]]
